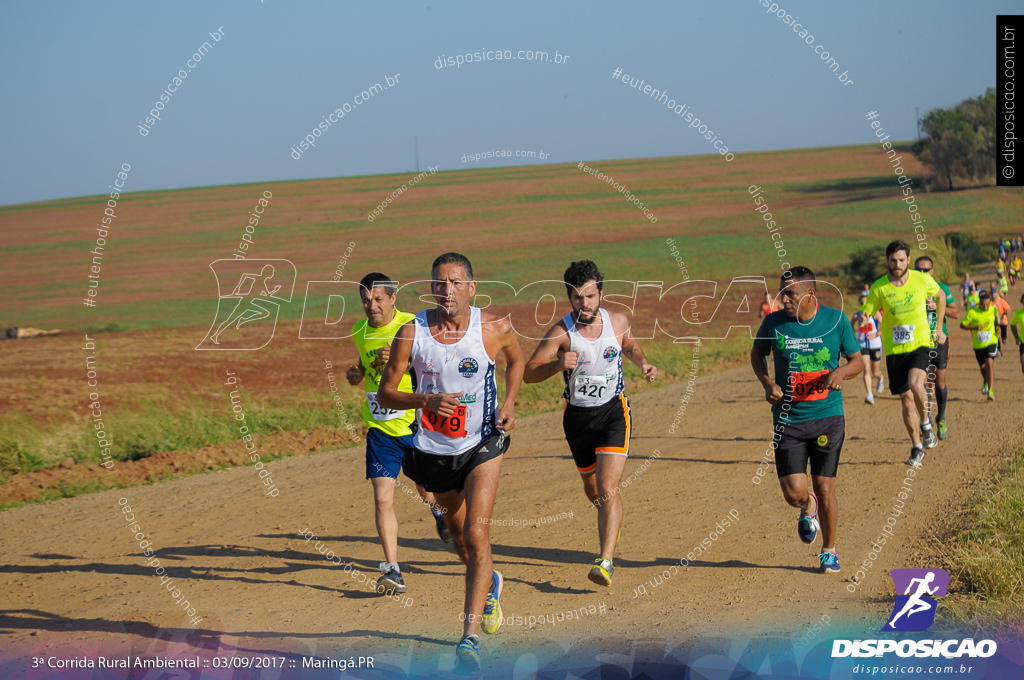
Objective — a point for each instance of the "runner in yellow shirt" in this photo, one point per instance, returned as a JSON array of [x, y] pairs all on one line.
[[907, 339], [1017, 326], [982, 323], [389, 432]]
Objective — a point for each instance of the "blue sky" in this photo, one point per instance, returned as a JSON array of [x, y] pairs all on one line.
[[80, 77]]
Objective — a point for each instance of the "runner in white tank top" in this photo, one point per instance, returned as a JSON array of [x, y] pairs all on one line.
[[461, 367], [587, 347], [597, 377], [452, 350]]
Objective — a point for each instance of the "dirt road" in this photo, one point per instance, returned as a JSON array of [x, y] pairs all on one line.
[[75, 581]]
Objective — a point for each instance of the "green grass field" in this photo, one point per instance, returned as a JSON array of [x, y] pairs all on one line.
[[517, 225]]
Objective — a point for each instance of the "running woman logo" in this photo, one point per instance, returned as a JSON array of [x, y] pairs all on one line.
[[468, 367], [610, 353], [254, 302], [914, 610]]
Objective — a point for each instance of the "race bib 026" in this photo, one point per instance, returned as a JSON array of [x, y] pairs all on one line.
[[808, 386]]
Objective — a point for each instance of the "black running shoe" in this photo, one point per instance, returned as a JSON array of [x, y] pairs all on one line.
[[442, 529]]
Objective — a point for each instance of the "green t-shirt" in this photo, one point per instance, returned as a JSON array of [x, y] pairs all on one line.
[[1018, 322], [986, 337], [905, 321], [973, 300], [932, 313], [804, 354], [369, 341]]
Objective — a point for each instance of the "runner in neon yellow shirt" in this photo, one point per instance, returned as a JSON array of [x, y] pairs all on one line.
[[903, 296], [983, 324], [1017, 326], [972, 298], [389, 433]]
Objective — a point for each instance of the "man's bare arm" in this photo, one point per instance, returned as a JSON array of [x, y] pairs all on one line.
[[551, 357]]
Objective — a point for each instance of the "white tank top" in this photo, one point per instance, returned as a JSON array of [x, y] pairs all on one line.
[[597, 378], [460, 367], [867, 324]]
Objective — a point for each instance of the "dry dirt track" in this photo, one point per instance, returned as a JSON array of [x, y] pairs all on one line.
[[74, 581]]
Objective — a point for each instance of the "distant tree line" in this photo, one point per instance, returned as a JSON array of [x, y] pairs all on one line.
[[960, 143]]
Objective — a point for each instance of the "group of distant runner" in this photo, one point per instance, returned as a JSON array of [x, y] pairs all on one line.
[[432, 409]]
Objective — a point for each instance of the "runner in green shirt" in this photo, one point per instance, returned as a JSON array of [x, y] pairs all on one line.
[[1017, 326], [983, 324], [972, 297], [907, 338], [938, 358], [389, 433], [807, 340]]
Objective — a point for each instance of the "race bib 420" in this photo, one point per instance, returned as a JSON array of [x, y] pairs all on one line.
[[591, 386]]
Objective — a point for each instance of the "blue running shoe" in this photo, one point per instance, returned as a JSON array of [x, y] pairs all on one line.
[[807, 526], [467, 654], [829, 563], [492, 610], [390, 580]]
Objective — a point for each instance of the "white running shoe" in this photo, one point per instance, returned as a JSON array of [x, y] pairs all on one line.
[[870, 398], [880, 387]]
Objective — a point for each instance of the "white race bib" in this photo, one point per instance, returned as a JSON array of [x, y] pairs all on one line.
[[591, 386], [901, 335], [984, 337], [378, 412]]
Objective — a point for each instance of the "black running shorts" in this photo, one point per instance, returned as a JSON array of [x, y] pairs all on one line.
[[939, 356], [440, 474], [990, 352], [820, 441], [597, 429], [875, 354], [898, 366]]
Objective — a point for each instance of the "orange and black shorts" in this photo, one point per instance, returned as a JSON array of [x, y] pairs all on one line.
[[597, 429]]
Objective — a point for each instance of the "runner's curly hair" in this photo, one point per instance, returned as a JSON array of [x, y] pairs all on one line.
[[578, 273]]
